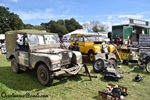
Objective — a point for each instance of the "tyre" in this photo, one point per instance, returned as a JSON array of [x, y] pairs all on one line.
[[15, 66], [98, 66], [113, 62], [44, 75], [91, 55], [148, 67]]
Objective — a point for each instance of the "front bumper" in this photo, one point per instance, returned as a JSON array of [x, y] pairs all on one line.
[[69, 71]]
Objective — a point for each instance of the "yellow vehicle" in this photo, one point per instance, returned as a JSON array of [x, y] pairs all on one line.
[[90, 44], [126, 52]]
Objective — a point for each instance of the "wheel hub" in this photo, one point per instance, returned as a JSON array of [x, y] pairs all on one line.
[[43, 75]]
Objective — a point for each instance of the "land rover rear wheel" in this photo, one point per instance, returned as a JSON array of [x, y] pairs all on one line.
[[15, 66], [44, 75]]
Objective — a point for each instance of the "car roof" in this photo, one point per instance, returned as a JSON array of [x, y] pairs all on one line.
[[28, 31], [11, 36], [88, 34]]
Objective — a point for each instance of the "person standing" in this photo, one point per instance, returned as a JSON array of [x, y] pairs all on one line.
[[118, 40]]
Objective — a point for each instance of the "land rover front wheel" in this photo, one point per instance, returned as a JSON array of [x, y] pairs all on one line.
[[15, 66], [44, 75], [91, 55], [148, 67]]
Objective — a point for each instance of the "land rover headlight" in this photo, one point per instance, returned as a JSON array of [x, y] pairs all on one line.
[[60, 56], [70, 54]]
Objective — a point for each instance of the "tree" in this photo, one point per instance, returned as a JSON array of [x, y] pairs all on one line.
[[15, 22], [60, 29], [95, 29], [72, 25], [9, 21], [98, 28], [95, 26], [61, 26]]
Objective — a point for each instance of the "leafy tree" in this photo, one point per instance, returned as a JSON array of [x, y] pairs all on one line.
[[61, 26], [15, 22], [95, 26], [95, 29], [98, 28], [28, 26], [72, 25], [60, 29], [9, 21]]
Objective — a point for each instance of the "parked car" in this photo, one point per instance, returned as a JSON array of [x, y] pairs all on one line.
[[34, 51], [90, 44], [3, 48]]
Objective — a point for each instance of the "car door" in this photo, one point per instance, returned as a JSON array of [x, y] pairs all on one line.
[[81, 44], [23, 58], [23, 51]]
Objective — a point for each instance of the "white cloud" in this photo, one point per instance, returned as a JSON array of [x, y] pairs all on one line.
[[109, 17], [1, 4], [15, 1], [125, 22], [37, 14], [108, 25], [67, 11], [146, 12], [40, 14], [138, 16]]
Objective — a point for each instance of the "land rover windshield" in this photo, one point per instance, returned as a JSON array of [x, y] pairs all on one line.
[[93, 38], [42, 39]]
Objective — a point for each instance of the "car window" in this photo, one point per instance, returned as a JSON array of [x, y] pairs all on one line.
[[73, 39], [51, 39], [104, 37], [80, 39], [33, 39], [93, 38]]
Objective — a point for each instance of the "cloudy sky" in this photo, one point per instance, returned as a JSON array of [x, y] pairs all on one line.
[[109, 12]]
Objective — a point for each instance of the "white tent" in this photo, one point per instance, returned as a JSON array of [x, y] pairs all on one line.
[[2, 36], [78, 31]]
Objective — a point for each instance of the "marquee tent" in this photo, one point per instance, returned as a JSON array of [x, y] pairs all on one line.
[[78, 31], [2, 36]]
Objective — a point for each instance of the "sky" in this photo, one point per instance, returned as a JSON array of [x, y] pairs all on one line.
[[109, 12]]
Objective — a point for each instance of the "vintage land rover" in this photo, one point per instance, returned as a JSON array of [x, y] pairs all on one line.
[[90, 44], [34, 49]]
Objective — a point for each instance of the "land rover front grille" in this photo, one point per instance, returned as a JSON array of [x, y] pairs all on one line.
[[65, 58]]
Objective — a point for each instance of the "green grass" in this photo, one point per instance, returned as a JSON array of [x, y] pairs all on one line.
[[77, 87]]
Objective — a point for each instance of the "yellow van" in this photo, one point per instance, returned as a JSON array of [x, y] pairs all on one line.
[[90, 44]]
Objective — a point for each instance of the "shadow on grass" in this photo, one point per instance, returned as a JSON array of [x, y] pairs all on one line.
[[23, 81], [97, 98], [28, 80]]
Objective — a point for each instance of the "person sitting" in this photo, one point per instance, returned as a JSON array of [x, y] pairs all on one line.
[[22, 44], [104, 47], [75, 47]]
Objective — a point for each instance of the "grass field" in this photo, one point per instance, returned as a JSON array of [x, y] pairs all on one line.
[[68, 88]]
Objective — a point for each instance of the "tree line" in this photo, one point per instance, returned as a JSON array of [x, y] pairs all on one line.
[[11, 21]]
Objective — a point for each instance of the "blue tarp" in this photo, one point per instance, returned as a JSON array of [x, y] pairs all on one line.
[[91, 31]]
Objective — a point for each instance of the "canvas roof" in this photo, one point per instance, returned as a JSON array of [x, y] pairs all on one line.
[[80, 31]]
